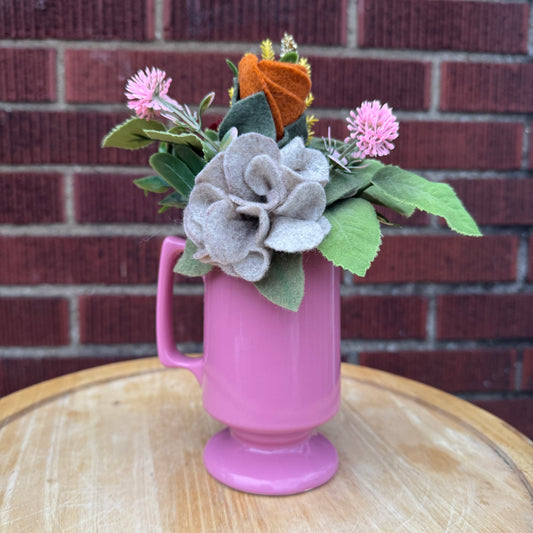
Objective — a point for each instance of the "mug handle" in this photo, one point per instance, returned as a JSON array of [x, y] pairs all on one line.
[[169, 355]]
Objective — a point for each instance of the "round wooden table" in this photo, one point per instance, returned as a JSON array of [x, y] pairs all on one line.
[[119, 448]]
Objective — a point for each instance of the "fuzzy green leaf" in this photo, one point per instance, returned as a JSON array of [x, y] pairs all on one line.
[[131, 135], [284, 282], [174, 171], [435, 198], [187, 265], [174, 138], [152, 184], [355, 236]]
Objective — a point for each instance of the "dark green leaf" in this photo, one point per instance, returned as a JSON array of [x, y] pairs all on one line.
[[251, 114], [189, 157], [130, 134], [290, 57], [284, 282], [174, 171]]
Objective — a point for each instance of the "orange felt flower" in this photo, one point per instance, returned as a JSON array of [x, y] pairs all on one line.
[[286, 86]]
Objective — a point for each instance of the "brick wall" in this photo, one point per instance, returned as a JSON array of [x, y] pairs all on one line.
[[79, 243]]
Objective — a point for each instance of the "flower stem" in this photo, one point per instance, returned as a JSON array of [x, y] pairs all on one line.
[[187, 120]]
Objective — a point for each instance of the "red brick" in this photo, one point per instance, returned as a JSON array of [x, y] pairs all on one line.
[[27, 75], [131, 319], [34, 321], [518, 412], [20, 372], [444, 25], [485, 316], [450, 145], [497, 202], [316, 22], [453, 371], [79, 259], [42, 137], [527, 370], [95, 76], [487, 87], [530, 268], [30, 198], [111, 198], [443, 259], [383, 317], [130, 20], [346, 82]]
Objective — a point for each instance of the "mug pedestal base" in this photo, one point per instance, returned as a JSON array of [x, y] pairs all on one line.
[[273, 465]]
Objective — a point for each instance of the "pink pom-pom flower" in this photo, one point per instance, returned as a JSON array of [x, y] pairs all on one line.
[[145, 90], [373, 126]]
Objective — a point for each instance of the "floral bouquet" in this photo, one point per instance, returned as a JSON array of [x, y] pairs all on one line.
[[260, 189]]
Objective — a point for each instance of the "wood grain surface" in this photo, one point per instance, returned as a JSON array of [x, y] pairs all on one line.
[[119, 448]]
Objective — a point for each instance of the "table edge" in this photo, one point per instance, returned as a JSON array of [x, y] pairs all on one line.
[[505, 440]]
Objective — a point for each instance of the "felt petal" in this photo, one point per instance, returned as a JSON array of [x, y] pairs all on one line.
[[306, 201], [290, 235], [263, 176], [255, 265], [263, 221], [202, 197], [213, 173], [325, 225], [228, 236], [238, 156], [310, 164]]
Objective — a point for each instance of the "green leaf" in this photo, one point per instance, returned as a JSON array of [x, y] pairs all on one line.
[[205, 103], [233, 68], [187, 265], [130, 134], [355, 236], [174, 171], [152, 184], [343, 185], [174, 199], [174, 138], [228, 138], [436, 198], [209, 151], [290, 57], [251, 114], [284, 282], [212, 135], [378, 196], [189, 157]]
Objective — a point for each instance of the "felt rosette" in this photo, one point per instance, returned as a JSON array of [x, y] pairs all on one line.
[[261, 189]]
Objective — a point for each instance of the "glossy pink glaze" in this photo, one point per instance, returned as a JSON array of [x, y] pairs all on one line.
[[270, 374]]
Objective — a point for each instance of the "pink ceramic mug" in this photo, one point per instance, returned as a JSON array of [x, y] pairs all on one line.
[[271, 375]]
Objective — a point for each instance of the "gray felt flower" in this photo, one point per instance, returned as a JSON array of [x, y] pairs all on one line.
[[254, 199]]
